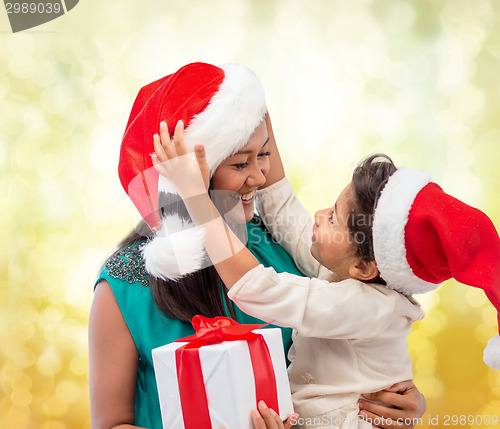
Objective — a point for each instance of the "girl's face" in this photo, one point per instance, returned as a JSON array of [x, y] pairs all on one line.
[[245, 171], [332, 244]]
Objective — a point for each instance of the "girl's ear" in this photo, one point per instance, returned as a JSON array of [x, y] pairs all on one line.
[[363, 270]]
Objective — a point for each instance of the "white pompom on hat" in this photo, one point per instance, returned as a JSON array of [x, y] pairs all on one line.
[[221, 107], [423, 236]]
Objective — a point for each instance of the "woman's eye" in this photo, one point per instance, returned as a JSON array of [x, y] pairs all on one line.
[[330, 218], [264, 154], [240, 166]]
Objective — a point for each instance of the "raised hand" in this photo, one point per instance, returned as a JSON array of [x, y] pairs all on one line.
[[189, 174]]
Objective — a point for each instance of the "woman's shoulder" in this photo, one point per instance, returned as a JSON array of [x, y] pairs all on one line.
[[126, 265]]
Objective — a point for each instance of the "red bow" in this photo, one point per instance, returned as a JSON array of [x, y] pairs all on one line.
[[190, 377]]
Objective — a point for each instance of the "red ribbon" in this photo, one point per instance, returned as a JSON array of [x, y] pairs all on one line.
[[211, 331]]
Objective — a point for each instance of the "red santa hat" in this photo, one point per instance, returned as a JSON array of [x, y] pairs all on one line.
[[423, 236], [220, 107]]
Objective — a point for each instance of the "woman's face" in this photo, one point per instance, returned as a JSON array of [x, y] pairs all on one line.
[[245, 171]]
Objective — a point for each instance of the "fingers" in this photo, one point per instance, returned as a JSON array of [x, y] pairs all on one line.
[[401, 387], [163, 145], [257, 420], [180, 147], [395, 399], [379, 410], [199, 151], [290, 421], [270, 417]]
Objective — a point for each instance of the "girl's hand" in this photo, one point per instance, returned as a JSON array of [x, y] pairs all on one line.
[[409, 406], [189, 177], [266, 418]]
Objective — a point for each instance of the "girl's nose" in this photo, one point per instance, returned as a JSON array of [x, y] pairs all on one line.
[[318, 216]]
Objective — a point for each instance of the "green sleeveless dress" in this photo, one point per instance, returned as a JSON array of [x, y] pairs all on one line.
[[150, 328]]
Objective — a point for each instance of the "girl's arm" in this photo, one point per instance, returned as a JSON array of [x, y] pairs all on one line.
[[290, 225], [317, 308], [284, 216], [113, 360]]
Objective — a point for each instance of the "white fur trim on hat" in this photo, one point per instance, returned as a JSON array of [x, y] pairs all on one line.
[[391, 216], [231, 116], [176, 249], [491, 354]]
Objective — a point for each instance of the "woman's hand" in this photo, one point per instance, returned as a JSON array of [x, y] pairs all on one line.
[[173, 161], [267, 418], [409, 406]]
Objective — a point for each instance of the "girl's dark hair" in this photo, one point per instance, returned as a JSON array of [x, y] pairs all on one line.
[[200, 292], [368, 181]]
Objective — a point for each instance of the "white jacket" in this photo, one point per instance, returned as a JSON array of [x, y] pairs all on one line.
[[349, 338]]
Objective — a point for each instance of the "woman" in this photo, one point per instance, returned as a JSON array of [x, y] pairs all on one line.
[[150, 288]]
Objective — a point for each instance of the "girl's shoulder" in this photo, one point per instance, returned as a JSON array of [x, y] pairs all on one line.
[[126, 265]]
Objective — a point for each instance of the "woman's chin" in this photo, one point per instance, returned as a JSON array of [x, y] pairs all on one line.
[[249, 214]]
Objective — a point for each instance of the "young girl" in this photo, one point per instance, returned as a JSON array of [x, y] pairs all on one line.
[[350, 335]]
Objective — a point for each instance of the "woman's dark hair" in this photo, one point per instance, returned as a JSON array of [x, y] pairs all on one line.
[[368, 181], [196, 293]]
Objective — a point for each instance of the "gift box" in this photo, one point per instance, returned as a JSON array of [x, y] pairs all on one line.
[[216, 377]]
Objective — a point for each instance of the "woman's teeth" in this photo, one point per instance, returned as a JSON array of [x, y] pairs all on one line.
[[244, 197], [248, 196]]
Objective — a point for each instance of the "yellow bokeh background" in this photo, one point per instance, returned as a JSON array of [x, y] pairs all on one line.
[[415, 79]]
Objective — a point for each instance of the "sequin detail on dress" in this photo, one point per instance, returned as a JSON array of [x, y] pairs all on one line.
[[128, 265]]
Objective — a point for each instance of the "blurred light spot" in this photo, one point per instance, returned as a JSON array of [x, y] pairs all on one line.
[[18, 416], [468, 102], [484, 332], [67, 391], [485, 164], [22, 67], [22, 45], [376, 65], [489, 315], [21, 397], [432, 386], [44, 74], [105, 148], [54, 101], [401, 17], [399, 75], [79, 364], [79, 88], [56, 407], [475, 297], [24, 382], [52, 190], [456, 69], [390, 126], [433, 323], [49, 363], [408, 100]]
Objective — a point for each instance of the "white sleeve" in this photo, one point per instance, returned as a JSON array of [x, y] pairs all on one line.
[[289, 223], [316, 308]]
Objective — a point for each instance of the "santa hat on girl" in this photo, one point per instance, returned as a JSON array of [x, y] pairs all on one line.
[[220, 107], [422, 237]]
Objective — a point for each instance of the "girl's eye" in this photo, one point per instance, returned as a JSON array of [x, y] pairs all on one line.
[[330, 218], [264, 154], [240, 166]]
